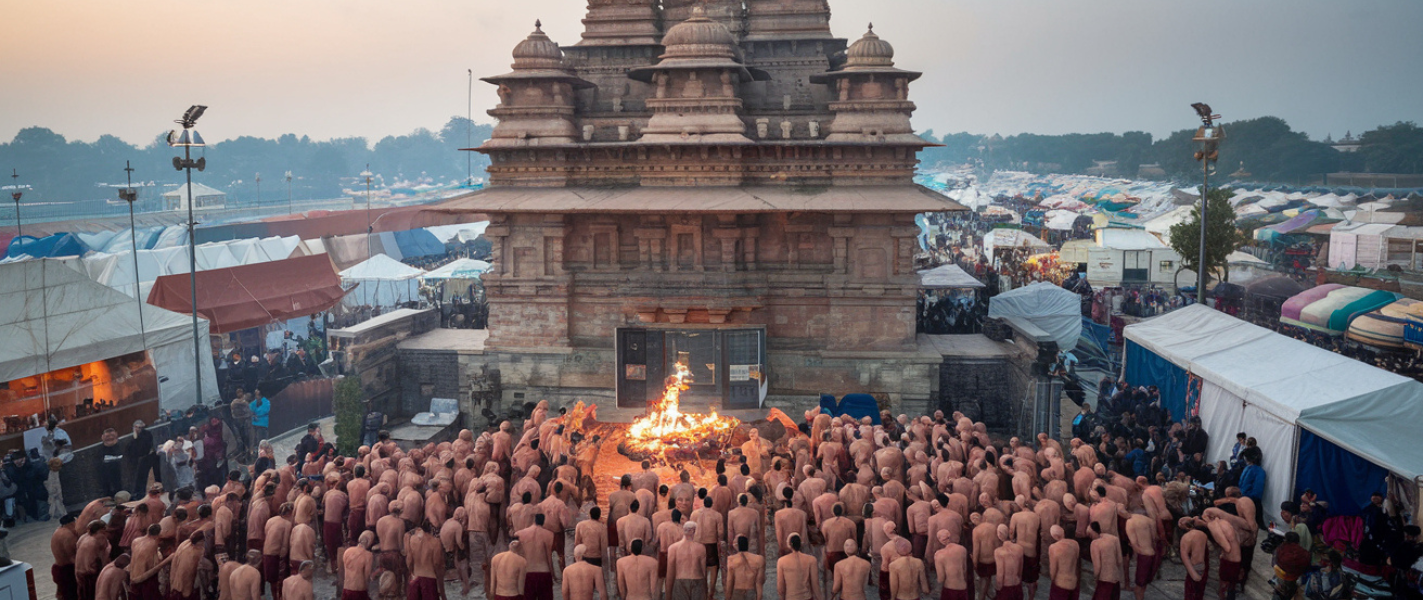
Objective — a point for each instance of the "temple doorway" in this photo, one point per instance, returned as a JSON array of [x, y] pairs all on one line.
[[728, 365]]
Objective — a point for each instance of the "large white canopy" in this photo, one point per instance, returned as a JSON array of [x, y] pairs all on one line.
[[382, 281], [460, 268], [1266, 384], [53, 316], [947, 277]]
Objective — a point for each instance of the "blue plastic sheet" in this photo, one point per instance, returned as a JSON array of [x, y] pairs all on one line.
[[1339, 476], [859, 406], [418, 242], [59, 244], [1144, 367]]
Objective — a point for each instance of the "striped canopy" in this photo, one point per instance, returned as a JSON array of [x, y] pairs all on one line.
[[1331, 307], [1384, 327]]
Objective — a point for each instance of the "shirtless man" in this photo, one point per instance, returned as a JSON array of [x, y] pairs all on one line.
[[687, 567], [225, 568], [637, 574], [1106, 552], [951, 568], [112, 580], [711, 527], [357, 566], [795, 573], [303, 547], [837, 530], [182, 579], [1141, 533], [745, 572], [634, 526], [747, 521], [851, 574], [276, 548], [246, 581], [582, 579], [146, 554], [1008, 561], [1195, 556], [537, 543], [425, 559], [91, 553], [1064, 566], [985, 542], [390, 530], [788, 521], [618, 507], [453, 540], [64, 544], [907, 579], [1222, 528], [335, 505], [357, 490], [507, 572], [298, 586], [1027, 530]]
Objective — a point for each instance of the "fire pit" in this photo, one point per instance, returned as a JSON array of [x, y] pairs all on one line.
[[666, 434]]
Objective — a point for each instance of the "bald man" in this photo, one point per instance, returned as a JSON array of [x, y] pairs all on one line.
[[687, 567], [581, 580], [951, 568], [1064, 566], [507, 573], [851, 574]]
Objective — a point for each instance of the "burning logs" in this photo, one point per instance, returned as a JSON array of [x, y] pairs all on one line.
[[671, 435]]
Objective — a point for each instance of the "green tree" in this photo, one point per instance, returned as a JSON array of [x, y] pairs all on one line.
[[350, 408], [1222, 237], [1396, 148]]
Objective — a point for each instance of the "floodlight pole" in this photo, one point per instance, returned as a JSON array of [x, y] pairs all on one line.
[[469, 131], [1201, 256], [193, 276], [131, 195], [16, 193], [370, 249], [289, 192]]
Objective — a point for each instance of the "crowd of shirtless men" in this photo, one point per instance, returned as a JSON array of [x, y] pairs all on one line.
[[849, 506]]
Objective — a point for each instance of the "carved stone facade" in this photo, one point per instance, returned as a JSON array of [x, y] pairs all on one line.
[[699, 166]]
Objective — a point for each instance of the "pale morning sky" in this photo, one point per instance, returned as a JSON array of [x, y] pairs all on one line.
[[332, 68]]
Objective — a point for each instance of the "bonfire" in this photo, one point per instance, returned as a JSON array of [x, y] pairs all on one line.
[[668, 432]]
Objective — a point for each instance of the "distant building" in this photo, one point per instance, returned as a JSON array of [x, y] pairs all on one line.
[[1103, 168], [204, 198], [1348, 143], [1150, 171]]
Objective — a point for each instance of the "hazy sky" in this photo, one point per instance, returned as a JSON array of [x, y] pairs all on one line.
[[331, 68]]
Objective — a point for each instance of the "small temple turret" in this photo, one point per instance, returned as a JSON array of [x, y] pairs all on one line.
[[870, 96], [695, 83], [536, 99]]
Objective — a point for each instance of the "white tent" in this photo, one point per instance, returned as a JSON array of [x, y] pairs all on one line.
[[382, 281], [461, 231], [1011, 238], [1266, 384], [1047, 306], [52, 317], [948, 276]]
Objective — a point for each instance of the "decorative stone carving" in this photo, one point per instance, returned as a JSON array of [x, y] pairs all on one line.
[[786, 127]]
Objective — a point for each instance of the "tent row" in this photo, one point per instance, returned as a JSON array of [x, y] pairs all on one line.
[[1310, 409], [116, 270]]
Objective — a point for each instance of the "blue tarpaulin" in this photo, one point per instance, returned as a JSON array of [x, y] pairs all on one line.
[[59, 244], [1143, 367], [859, 406], [418, 242], [1339, 476]]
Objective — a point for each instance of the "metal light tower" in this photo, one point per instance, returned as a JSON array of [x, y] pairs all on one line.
[[187, 139], [16, 193], [1207, 139], [129, 195], [469, 131], [258, 179], [289, 192], [370, 249]]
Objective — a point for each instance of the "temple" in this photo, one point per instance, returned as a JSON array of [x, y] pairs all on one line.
[[722, 184]]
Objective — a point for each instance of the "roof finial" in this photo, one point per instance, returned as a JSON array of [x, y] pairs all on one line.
[[872, 27], [538, 25]]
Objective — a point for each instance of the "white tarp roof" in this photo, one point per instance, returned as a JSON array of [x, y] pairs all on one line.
[[947, 276], [1011, 238], [1365, 409], [381, 266], [53, 316], [1051, 308], [464, 231], [1117, 238], [460, 268]]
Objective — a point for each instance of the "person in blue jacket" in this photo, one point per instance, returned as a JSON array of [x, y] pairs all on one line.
[[261, 407], [1252, 485]]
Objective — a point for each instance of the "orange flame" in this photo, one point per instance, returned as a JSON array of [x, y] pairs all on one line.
[[665, 427]]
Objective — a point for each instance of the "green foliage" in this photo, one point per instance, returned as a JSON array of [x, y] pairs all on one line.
[[1222, 237], [350, 409], [1396, 148], [60, 170]]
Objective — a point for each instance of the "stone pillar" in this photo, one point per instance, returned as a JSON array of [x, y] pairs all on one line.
[[727, 236], [841, 247]]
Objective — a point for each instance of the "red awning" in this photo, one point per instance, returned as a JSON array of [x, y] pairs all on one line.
[[251, 295]]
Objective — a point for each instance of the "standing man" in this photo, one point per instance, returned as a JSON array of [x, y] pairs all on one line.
[[907, 580], [111, 459], [795, 573], [261, 408], [92, 553], [746, 573], [356, 567], [637, 574], [141, 459], [582, 579], [1064, 566], [852, 574], [298, 586], [1106, 552], [1008, 560], [687, 567], [951, 568], [507, 574], [1141, 534], [425, 557], [246, 582], [64, 544], [1195, 557], [537, 542]]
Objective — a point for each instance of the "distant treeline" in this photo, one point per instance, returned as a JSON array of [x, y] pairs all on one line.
[[1266, 148], [60, 170]]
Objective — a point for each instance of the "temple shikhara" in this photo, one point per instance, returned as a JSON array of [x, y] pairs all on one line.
[[718, 184]]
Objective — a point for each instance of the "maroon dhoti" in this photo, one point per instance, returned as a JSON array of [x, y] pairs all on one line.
[[1107, 591], [949, 594], [66, 586], [884, 585], [331, 537], [1010, 592], [272, 573], [538, 586], [1057, 593], [355, 525], [355, 595], [85, 584], [1196, 590], [422, 588]]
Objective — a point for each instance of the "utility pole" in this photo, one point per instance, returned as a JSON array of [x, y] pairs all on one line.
[[129, 195], [187, 139], [370, 249], [469, 131], [16, 193]]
